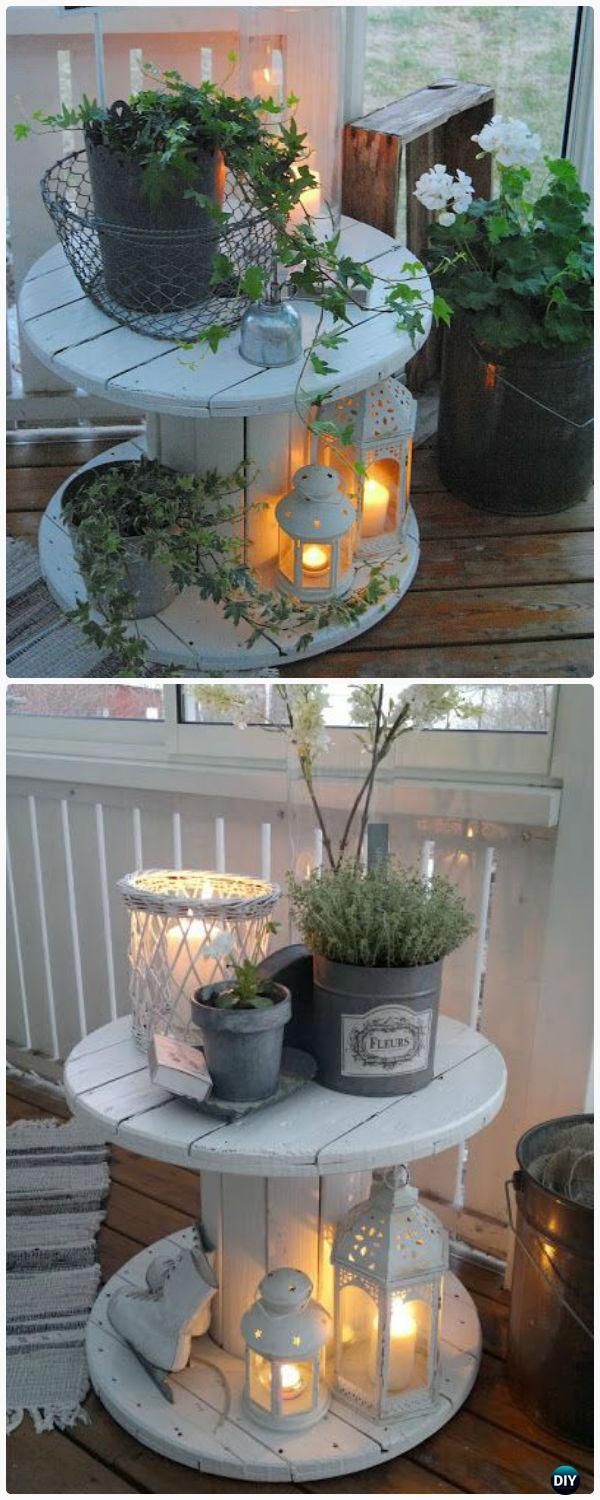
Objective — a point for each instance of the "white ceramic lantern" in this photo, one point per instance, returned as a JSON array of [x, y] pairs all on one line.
[[175, 916], [316, 536], [389, 1256], [383, 419], [285, 1332]]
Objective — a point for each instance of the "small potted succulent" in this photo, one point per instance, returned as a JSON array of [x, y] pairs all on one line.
[[378, 938], [242, 1021], [515, 430]]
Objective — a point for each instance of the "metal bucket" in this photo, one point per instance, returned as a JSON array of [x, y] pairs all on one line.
[[550, 1348], [374, 1030]]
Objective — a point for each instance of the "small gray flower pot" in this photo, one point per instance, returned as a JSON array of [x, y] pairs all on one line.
[[374, 1030], [242, 1047]]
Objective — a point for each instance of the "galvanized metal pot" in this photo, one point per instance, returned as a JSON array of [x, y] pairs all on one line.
[[243, 1047], [550, 1361], [149, 580], [157, 257], [271, 334], [374, 1030]]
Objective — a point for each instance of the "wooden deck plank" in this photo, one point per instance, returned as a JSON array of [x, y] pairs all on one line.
[[52, 1464], [32, 489], [173, 1186], [505, 659], [481, 562], [441, 514]]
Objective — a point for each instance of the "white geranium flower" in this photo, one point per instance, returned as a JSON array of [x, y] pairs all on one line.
[[510, 141], [222, 944], [446, 218], [462, 192], [434, 188]]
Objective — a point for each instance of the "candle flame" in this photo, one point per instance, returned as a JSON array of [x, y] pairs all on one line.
[[206, 892], [402, 1320], [314, 558], [291, 1380]]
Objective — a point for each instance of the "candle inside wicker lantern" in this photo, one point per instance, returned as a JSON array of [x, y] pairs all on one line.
[[174, 916]]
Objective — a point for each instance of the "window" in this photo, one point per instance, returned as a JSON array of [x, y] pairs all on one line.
[[523, 709], [86, 701]]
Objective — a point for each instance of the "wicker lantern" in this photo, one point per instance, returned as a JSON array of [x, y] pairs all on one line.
[[174, 915], [383, 419], [316, 536], [285, 1332], [389, 1256]]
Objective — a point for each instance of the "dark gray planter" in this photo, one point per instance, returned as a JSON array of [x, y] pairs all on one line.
[[243, 1047], [157, 257], [374, 1030], [151, 581]]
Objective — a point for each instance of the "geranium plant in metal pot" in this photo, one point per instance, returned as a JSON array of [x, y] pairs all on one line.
[[378, 938], [516, 401], [242, 1021]]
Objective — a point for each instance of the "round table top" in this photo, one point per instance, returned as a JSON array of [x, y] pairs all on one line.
[[83, 344], [313, 1133]]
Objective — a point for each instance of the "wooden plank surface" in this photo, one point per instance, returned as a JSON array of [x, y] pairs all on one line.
[[492, 1446]]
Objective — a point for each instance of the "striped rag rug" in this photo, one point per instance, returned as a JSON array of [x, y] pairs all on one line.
[[56, 1181]]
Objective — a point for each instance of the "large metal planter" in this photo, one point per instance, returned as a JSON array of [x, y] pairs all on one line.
[[514, 429], [243, 1047], [374, 1030], [550, 1362]]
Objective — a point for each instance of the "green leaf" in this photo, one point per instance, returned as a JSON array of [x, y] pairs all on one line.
[[563, 170], [21, 131], [441, 310], [320, 366], [252, 283], [222, 269], [213, 336]]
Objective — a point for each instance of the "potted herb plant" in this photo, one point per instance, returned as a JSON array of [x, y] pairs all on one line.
[[378, 939], [515, 420], [242, 1021]]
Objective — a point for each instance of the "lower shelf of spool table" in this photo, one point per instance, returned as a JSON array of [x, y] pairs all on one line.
[[205, 1427], [193, 632]]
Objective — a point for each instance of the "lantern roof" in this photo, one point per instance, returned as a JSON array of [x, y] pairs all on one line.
[[391, 1238], [384, 412], [316, 509], [284, 1321]]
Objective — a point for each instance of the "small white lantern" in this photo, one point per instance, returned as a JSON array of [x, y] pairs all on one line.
[[316, 536], [383, 419], [285, 1332], [389, 1256], [175, 915]]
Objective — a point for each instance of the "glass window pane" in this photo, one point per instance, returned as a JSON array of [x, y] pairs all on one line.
[[526, 709], [113, 700]]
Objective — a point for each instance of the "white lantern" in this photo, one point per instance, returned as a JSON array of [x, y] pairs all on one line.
[[316, 536], [175, 916], [285, 1332], [389, 1256], [383, 419]]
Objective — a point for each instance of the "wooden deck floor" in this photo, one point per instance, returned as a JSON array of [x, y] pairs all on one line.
[[494, 596], [490, 1447]]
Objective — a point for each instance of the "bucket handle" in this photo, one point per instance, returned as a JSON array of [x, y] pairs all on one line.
[[515, 1183]]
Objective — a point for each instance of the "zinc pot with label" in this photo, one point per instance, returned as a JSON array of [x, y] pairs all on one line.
[[374, 1030], [515, 434], [157, 256], [242, 1047]]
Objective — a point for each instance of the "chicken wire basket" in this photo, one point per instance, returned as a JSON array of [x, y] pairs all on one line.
[[174, 915], [154, 280]]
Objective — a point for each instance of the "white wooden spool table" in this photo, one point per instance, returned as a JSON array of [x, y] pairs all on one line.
[[211, 411], [273, 1187]]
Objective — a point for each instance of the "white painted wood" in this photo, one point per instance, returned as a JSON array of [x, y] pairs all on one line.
[[265, 851], [220, 862], [15, 931], [64, 809], [243, 1255], [315, 1132], [39, 884], [110, 971], [131, 368], [206, 1428], [337, 1195], [192, 632]]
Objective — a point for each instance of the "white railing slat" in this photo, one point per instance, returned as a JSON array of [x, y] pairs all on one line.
[[265, 851], [37, 864], [64, 813], [18, 949], [110, 967], [177, 854], [220, 865], [138, 847]]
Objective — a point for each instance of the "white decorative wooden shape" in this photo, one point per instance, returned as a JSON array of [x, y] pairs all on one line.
[[206, 1427]]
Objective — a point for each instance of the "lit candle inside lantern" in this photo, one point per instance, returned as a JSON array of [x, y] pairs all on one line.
[[311, 201], [185, 940], [403, 1339], [292, 1381], [376, 499], [314, 558]]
